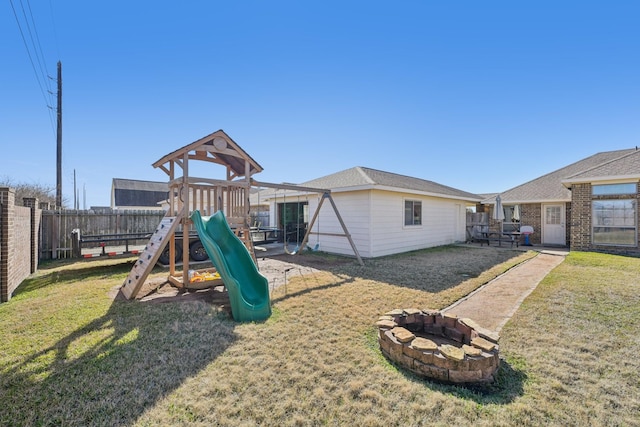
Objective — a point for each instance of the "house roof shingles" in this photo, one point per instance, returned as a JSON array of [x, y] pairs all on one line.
[[135, 184], [368, 178], [550, 187], [627, 166]]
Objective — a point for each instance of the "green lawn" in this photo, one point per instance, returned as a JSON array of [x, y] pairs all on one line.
[[70, 355]]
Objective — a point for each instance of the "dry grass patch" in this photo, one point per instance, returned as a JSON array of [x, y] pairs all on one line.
[[443, 274], [72, 356]]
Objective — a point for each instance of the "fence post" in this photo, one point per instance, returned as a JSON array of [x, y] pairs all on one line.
[[76, 251], [55, 235]]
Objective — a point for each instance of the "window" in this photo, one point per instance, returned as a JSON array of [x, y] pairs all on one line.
[[614, 219], [412, 212], [553, 215], [609, 189], [511, 221], [614, 222]]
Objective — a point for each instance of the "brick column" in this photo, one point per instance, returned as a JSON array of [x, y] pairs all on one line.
[[581, 217], [32, 202], [7, 200]]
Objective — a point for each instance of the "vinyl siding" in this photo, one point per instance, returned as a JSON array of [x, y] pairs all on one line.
[[354, 208], [442, 223], [375, 220]]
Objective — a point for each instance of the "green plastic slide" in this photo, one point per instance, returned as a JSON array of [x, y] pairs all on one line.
[[248, 288]]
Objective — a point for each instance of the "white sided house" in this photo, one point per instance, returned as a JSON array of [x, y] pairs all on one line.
[[385, 213]]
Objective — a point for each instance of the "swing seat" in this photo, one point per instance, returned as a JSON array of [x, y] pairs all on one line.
[[313, 249], [295, 250]]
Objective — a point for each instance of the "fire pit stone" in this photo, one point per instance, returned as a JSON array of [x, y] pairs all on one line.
[[439, 346]]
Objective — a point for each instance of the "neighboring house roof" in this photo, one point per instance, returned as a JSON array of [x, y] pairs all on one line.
[[134, 184], [626, 167], [550, 187], [362, 178], [131, 192]]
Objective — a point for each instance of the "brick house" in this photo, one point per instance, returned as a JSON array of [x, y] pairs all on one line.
[[588, 205]]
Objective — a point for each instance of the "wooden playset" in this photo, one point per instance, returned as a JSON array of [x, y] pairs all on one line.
[[187, 194]]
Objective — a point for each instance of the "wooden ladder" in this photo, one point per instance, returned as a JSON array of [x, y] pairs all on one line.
[[149, 256]]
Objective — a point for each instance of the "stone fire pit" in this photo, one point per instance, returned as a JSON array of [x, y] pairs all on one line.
[[439, 346]]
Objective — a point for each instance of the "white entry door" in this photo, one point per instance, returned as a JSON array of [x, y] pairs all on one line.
[[553, 225]]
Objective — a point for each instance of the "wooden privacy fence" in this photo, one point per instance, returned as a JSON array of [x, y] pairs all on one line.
[[56, 240], [477, 223]]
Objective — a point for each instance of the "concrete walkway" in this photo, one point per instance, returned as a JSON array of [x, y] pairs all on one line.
[[492, 305]]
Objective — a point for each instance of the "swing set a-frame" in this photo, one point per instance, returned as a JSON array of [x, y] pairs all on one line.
[[325, 194], [188, 194]]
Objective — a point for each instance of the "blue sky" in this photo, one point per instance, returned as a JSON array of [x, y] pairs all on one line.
[[481, 96]]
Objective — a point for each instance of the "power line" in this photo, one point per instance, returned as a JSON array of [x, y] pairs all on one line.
[[42, 76], [46, 75], [37, 47]]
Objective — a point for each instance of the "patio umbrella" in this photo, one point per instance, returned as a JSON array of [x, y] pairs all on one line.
[[498, 212], [516, 213]]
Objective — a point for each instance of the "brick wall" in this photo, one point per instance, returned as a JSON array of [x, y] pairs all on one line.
[[18, 242], [581, 217], [530, 214]]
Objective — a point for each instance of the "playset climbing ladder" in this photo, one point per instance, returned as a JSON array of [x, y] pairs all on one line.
[[149, 256]]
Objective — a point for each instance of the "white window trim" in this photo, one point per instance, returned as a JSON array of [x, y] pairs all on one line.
[[404, 206]]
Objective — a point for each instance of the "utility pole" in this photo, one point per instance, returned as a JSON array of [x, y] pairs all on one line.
[[75, 191], [59, 142]]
